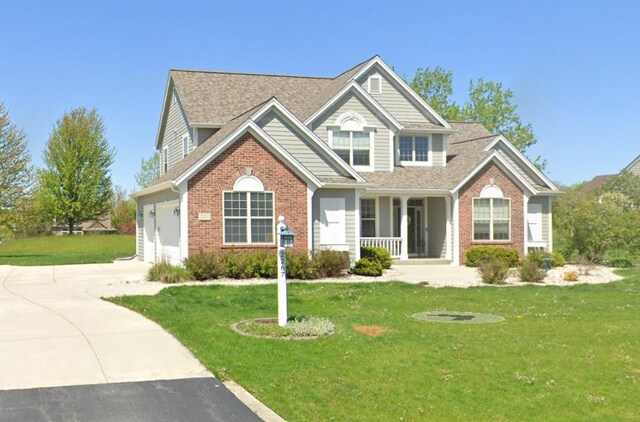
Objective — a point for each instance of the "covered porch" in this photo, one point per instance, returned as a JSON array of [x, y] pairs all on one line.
[[415, 226]]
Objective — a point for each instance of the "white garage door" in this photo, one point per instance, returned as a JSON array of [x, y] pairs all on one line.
[[149, 234], [168, 230]]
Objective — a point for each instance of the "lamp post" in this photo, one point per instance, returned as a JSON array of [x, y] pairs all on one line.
[[284, 240]]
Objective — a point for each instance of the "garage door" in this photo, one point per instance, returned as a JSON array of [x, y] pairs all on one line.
[[149, 234], [168, 233]]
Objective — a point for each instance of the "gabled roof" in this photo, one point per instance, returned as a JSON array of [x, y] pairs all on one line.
[[632, 165]]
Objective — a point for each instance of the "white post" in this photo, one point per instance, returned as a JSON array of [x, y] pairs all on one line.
[[404, 229], [282, 275]]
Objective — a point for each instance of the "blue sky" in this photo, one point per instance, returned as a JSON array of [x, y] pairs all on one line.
[[573, 66]]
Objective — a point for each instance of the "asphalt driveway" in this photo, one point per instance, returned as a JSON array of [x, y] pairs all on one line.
[[55, 332]]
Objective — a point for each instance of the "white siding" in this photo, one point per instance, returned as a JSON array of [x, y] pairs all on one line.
[[515, 163], [298, 146], [437, 149], [394, 101], [352, 103]]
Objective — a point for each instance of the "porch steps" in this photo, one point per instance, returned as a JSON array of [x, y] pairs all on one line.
[[423, 261]]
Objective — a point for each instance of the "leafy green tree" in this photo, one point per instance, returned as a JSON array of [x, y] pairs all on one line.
[[15, 165], [123, 210], [76, 182], [149, 171], [626, 183], [436, 87], [489, 103]]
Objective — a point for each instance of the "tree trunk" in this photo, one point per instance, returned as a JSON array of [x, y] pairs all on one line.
[[71, 225]]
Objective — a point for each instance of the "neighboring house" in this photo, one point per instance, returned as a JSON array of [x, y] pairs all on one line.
[[358, 159], [99, 226], [599, 181]]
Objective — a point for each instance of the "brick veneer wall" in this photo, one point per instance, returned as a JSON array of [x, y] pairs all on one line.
[[206, 192], [472, 190]]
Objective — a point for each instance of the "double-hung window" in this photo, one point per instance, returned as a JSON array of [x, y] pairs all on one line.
[[414, 149], [248, 217], [491, 219], [368, 217], [353, 147]]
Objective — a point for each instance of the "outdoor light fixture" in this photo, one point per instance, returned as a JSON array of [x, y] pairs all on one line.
[[140, 214], [152, 214], [286, 237], [176, 211]]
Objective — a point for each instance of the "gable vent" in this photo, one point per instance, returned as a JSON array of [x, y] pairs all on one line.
[[375, 84]]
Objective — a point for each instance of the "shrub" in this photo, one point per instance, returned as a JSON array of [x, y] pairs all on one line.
[[584, 264], [567, 253], [529, 271], [475, 254], [557, 259], [493, 270], [368, 267], [620, 263], [204, 266], [378, 253], [167, 273], [300, 266], [330, 263], [570, 276]]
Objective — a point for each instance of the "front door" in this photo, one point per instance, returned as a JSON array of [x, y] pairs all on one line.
[[416, 230]]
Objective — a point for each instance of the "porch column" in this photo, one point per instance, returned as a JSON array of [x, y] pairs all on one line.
[[449, 236], [404, 228]]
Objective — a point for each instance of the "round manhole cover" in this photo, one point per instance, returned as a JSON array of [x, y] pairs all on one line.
[[458, 317]]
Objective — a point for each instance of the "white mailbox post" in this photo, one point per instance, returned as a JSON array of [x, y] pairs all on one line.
[[284, 240]]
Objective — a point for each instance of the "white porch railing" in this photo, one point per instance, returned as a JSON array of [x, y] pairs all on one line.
[[392, 244]]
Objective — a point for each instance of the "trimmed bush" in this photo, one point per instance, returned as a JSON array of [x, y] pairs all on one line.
[[529, 271], [368, 267], [557, 259], [167, 273], [204, 266], [330, 263], [300, 266], [475, 254], [377, 253], [493, 270]]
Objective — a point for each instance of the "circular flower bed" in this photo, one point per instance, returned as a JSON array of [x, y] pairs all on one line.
[[297, 328]]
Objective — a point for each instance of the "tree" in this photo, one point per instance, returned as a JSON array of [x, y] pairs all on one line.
[[626, 183], [488, 103], [149, 171], [123, 210], [15, 165], [436, 87], [76, 183]]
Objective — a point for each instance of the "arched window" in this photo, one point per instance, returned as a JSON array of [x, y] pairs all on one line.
[[491, 215], [248, 213], [352, 140]]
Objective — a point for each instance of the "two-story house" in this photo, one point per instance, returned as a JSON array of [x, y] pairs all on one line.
[[358, 159]]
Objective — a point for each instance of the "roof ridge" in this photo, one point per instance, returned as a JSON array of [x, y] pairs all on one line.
[[464, 121], [473, 139], [275, 75], [359, 64]]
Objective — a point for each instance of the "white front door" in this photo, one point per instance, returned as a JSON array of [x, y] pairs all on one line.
[[149, 252]]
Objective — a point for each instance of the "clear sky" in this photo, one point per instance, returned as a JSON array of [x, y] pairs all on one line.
[[574, 66]]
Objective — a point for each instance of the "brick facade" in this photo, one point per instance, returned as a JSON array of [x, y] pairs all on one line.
[[472, 190], [206, 193]]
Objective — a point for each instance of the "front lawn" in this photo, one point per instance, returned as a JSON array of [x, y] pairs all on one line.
[[60, 250], [569, 353]]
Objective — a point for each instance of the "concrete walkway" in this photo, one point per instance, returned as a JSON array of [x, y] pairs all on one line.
[[54, 332]]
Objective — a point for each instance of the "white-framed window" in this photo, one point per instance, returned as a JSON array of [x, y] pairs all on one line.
[[185, 145], [368, 217], [165, 160], [353, 147], [374, 84], [248, 213], [491, 219], [353, 141], [413, 149]]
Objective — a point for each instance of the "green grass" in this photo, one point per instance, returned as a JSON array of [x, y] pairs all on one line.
[[60, 250], [570, 353]]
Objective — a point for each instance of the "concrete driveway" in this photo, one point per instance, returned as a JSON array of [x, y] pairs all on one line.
[[54, 331]]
